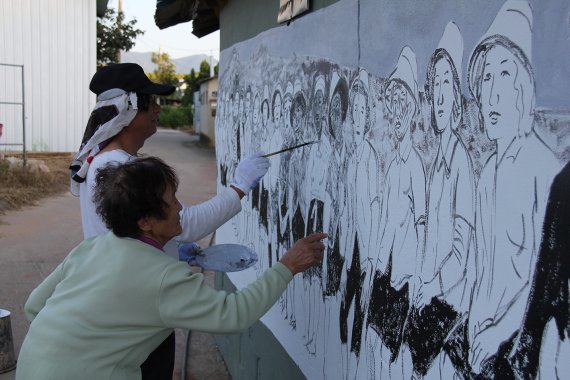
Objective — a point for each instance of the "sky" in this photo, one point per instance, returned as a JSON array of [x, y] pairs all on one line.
[[178, 40]]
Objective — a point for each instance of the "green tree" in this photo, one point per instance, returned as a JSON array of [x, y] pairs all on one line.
[[190, 80], [204, 69], [165, 72], [193, 81], [114, 35]]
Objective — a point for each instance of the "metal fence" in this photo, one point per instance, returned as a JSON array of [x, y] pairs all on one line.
[[16, 103]]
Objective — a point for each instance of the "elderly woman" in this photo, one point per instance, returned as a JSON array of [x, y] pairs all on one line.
[[116, 297]]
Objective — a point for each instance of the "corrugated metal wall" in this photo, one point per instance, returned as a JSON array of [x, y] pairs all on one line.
[[56, 42]]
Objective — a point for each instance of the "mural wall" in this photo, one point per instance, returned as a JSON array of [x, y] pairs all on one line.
[[439, 175]]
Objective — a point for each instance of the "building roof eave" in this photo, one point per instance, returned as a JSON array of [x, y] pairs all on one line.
[[204, 14]]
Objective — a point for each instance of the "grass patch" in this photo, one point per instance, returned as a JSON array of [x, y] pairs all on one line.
[[21, 187]]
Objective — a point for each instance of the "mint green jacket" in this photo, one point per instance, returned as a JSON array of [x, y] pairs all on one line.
[[113, 300]]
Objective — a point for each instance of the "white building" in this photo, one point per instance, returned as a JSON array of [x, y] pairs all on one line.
[[56, 43], [207, 110]]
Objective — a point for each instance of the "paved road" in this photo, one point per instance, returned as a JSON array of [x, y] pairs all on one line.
[[33, 242]]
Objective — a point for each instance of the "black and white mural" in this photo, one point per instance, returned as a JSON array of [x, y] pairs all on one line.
[[440, 175]]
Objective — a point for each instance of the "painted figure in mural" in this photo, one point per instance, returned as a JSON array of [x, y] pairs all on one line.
[[283, 222], [335, 194], [296, 163], [442, 300], [276, 143], [236, 148], [292, 212], [258, 141], [250, 226], [402, 222], [362, 199], [221, 138], [221, 125], [255, 120], [265, 108], [265, 136], [542, 347], [246, 122], [333, 264], [317, 214], [245, 127], [513, 188]]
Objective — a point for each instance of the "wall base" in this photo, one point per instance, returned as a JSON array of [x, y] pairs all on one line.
[[255, 353]]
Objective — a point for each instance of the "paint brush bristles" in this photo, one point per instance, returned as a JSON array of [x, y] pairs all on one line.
[[290, 148]]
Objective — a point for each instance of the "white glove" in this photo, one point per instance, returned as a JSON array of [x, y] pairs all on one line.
[[249, 171]]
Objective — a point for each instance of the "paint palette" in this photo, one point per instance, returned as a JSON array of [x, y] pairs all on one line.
[[226, 258]]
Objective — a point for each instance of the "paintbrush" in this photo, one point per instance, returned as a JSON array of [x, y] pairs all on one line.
[[290, 148]]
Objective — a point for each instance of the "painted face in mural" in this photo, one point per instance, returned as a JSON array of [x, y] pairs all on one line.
[[277, 108], [264, 113], [401, 106], [499, 95], [297, 120], [443, 96], [336, 112], [358, 114], [256, 109]]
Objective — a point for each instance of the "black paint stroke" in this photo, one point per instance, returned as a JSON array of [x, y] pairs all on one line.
[[353, 293], [335, 263], [263, 206], [315, 224], [388, 310], [427, 330], [548, 297]]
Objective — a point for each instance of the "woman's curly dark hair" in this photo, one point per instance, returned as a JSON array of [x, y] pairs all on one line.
[[125, 193]]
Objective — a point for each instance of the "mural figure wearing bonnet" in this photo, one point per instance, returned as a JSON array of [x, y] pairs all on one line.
[[401, 228], [508, 227], [442, 300]]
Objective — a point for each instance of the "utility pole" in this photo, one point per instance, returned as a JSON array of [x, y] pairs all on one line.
[[119, 14]]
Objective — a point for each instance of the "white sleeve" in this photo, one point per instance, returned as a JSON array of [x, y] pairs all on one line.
[[202, 219]]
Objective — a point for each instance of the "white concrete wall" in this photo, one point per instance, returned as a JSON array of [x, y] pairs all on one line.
[[431, 211], [208, 90], [56, 42]]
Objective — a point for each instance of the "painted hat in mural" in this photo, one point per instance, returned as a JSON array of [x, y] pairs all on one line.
[[360, 83], [334, 82], [450, 45], [339, 85], [452, 42], [288, 90], [128, 77], [266, 93], [277, 89], [319, 84], [512, 29], [297, 88], [406, 71]]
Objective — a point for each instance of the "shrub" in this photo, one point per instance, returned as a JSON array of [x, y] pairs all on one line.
[[175, 116]]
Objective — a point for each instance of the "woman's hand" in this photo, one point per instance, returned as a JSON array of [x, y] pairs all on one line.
[[305, 253]]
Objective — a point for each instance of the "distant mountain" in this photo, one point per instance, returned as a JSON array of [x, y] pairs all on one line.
[[183, 65]]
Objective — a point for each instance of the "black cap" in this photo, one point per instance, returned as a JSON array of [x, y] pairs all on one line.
[[126, 76]]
